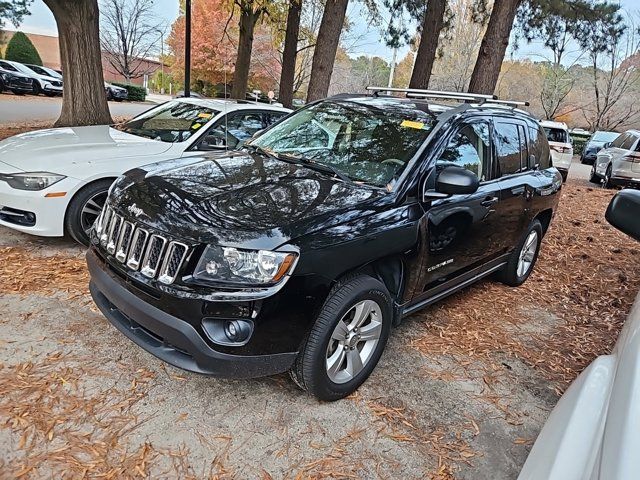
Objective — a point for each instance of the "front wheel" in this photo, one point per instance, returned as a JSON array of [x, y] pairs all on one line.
[[594, 178], [523, 258], [36, 90], [84, 209], [606, 181], [346, 340]]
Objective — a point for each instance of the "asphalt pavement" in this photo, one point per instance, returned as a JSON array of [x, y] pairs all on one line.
[[30, 108]]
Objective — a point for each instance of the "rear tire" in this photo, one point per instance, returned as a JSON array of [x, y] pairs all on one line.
[[346, 340], [523, 258], [606, 181], [594, 178], [84, 208], [36, 88]]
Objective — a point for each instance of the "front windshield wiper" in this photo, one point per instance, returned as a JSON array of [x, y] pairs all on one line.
[[322, 167]]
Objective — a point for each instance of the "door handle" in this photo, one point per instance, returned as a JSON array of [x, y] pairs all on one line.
[[487, 202]]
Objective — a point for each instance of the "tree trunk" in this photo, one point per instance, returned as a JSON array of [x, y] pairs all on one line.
[[248, 20], [324, 55], [285, 96], [431, 26], [493, 47], [84, 101]]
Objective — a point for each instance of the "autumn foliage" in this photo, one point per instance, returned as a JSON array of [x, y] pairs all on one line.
[[214, 42]]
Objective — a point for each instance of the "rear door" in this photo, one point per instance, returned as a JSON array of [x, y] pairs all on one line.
[[517, 179]]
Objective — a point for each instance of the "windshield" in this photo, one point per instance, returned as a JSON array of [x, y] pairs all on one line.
[[170, 122], [370, 142], [605, 136], [556, 135]]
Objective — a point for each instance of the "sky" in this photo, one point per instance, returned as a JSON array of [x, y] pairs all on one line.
[[363, 39]]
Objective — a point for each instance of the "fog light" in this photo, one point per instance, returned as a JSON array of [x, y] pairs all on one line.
[[228, 332]]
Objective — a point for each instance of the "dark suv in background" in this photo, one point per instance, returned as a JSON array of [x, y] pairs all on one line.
[[300, 251]]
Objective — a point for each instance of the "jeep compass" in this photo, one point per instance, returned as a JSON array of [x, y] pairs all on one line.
[[301, 250]]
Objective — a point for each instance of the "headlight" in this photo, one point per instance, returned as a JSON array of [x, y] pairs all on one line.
[[32, 180], [245, 267]]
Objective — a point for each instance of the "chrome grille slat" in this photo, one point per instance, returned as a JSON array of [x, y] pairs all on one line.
[[138, 243], [124, 241], [114, 231], [153, 254], [172, 262]]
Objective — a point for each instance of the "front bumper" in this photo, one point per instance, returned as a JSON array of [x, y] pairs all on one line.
[[170, 338], [49, 212], [48, 88]]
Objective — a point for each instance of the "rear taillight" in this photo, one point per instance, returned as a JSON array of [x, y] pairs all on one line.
[[561, 149]]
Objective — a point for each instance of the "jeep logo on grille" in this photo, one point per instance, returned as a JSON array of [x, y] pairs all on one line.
[[135, 210]]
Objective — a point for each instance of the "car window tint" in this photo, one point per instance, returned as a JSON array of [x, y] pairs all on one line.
[[8, 66], [524, 149], [557, 135], [243, 125], [619, 141], [469, 148], [273, 117], [508, 146], [629, 142]]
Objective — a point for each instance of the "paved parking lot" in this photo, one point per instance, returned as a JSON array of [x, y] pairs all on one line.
[[461, 392]]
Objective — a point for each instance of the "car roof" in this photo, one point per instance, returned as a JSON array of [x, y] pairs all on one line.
[[423, 104], [633, 131], [551, 124], [227, 104]]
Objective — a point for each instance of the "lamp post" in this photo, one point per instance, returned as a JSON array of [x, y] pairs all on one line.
[[187, 49]]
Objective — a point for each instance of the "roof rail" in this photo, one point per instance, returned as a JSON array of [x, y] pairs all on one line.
[[416, 92], [464, 96]]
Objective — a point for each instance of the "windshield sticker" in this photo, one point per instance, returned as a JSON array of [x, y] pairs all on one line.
[[204, 115], [411, 124], [196, 126]]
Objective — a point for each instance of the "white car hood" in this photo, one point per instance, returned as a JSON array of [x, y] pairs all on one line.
[[61, 150]]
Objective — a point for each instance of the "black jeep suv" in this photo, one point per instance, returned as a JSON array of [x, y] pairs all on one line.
[[302, 249]]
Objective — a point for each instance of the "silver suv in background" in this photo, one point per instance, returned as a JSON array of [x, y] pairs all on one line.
[[618, 163]]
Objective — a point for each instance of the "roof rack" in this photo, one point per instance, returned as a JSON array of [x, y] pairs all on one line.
[[464, 96]]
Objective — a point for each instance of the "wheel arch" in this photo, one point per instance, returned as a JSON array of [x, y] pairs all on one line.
[[80, 190], [544, 217]]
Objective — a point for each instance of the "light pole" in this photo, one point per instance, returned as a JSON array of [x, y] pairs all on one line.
[[187, 49]]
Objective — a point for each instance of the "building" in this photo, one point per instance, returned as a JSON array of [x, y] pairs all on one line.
[[49, 50]]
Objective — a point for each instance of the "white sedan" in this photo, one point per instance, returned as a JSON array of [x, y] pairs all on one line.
[[593, 433], [55, 181]]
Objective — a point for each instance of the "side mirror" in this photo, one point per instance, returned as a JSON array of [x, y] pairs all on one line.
[[606, 145], [623, 212], [456, 181]]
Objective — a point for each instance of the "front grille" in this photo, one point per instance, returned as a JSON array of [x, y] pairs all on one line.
[[152, 254]]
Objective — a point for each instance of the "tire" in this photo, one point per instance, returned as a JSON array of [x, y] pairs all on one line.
[[594, 178], [36, 88], [335, 335], [18, 92], [606, 181], [78, 218], [50, 94], [109, 94], [512, 274], [564, 176]]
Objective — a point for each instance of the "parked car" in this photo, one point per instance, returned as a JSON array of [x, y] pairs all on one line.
[[618, 163], [50, 86], [300, 251], [595, 144], [55, 181], [115, 93], [561, 147], [11, 79], [41, 70], [593, 433], [180, 94]]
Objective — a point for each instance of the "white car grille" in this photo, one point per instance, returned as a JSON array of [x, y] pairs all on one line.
[[140, 249]]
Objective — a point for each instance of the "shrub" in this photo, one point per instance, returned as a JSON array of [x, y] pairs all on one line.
[[136, 92], [20, 49]]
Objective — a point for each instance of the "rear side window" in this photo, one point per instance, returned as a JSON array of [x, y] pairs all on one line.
[[509, 148], [539, 147], [557, 135]]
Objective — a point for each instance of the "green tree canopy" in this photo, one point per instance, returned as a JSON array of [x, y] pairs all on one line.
[[20, 49], [13, 10]]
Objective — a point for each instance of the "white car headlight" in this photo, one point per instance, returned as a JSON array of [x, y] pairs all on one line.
[[31, 180], [244, 267]]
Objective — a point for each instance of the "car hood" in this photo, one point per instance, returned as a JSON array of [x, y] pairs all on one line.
[[239, 199], [61, 149]]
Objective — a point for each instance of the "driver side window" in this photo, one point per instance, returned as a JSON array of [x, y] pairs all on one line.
[[469, 148], [232, 130]]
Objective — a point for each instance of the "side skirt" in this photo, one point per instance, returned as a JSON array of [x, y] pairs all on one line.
[[455, 284]]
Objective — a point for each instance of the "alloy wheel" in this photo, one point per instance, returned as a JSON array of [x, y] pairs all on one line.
[[528, 253], [353, 341], [91, 209]]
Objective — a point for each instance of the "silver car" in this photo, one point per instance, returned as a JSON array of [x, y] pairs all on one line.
[[618, 163]]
